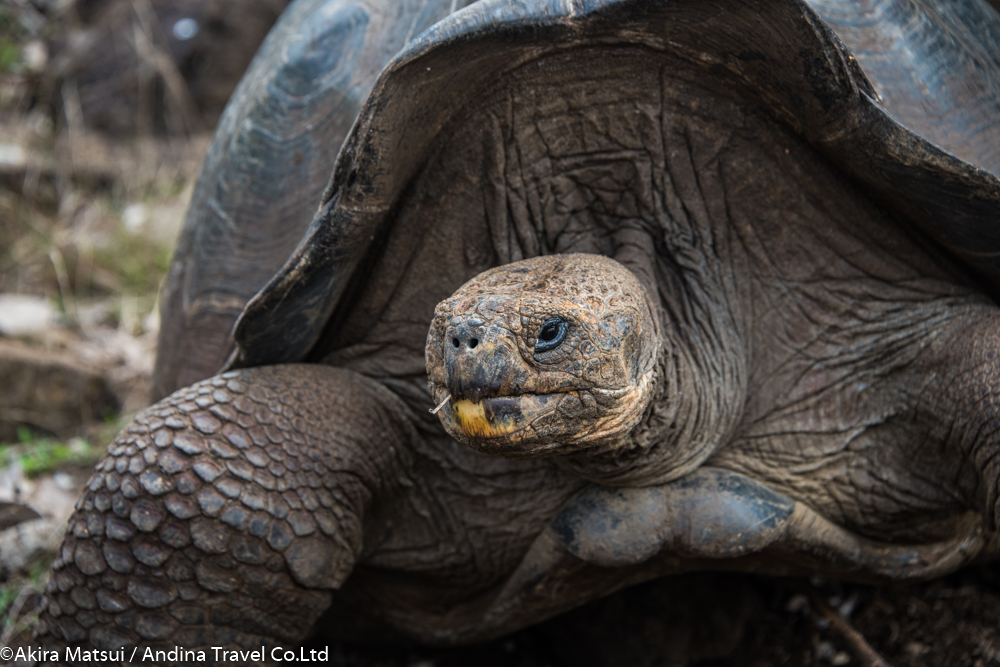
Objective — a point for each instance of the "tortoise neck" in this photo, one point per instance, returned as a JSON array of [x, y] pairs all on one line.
[[697, 387], [664, 445]]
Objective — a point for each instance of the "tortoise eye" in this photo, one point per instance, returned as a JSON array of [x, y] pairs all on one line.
[[551, 334]]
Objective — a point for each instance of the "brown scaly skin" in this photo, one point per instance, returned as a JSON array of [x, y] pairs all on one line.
[[225, 514], [231, 513], [513, 398]]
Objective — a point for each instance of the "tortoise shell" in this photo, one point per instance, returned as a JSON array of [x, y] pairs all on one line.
[[901, 98]]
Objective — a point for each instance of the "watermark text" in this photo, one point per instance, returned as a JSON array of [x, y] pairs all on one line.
[[208, 655]]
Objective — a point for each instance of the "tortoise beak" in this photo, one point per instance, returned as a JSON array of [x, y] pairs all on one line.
[[482, 361]]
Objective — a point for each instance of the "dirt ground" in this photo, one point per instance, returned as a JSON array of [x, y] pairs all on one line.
[[105, 112], [731, 620]]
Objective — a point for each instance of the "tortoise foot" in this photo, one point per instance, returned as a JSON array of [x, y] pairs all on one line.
[[222, 516]]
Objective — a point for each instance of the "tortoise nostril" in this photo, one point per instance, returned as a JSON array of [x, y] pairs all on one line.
[[473, 343], [454, 342]]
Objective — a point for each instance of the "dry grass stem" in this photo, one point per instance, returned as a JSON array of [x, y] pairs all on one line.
[[182, 113], [14, 623], [864, 652], [65, 290], [434, 411]]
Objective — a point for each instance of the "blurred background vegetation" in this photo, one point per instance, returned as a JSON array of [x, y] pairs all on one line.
[[106, 109]]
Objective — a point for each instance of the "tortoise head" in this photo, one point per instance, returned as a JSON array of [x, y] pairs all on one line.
[[545, 356]]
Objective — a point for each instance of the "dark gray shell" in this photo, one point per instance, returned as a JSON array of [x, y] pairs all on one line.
[[268, 164], [933, 167]]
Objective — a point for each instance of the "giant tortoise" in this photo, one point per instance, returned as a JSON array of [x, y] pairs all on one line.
[[710, 285]]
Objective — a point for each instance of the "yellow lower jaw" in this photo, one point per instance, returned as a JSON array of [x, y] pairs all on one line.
[[471, 418]]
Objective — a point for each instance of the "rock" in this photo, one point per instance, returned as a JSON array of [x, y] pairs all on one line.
[[48, 391], [27, 543], [12, 514], [24, 544], [13, 158], [21, 314]]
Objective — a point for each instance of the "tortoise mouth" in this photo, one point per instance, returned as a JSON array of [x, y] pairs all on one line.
[[530, 426], [497, 417]]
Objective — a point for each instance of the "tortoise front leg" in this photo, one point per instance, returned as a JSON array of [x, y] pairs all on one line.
[[715, 515], [606, 538], [226, 514]]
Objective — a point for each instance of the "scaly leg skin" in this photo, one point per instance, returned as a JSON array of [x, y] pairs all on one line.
[[227, 513]]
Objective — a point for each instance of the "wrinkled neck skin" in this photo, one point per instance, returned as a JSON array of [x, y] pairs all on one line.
[[700, 381], [667, 386]]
